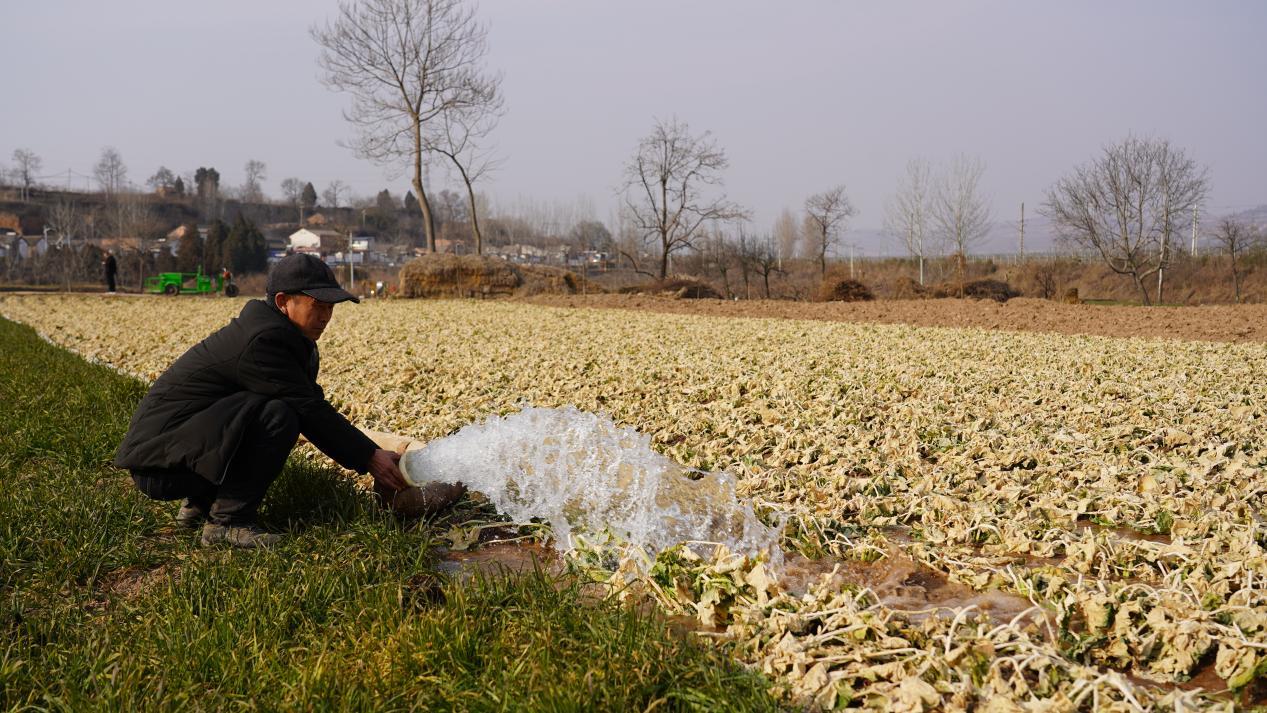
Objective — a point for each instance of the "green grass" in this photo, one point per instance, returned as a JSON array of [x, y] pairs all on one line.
[[105, 606]]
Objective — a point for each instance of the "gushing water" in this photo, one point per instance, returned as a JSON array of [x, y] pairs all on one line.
[[582, 472]]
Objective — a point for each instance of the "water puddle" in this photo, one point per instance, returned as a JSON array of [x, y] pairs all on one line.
[[903, 585], [500, 559], [1124, 533]]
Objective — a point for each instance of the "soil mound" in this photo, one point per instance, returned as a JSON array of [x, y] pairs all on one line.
[[443, 275], [996, 290], [677, 287], [844, 291]]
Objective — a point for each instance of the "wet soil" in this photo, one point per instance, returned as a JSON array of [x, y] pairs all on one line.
[[907, 587], [898, 582], [500, 559], [1214, 323]]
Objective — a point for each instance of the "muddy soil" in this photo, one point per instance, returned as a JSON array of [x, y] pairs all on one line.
[[1213, 323], [903, 585]]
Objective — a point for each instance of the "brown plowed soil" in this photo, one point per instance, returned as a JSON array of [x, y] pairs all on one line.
[[1215, 323]]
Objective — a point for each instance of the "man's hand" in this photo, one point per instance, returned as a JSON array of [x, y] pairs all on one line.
[[384, 467]]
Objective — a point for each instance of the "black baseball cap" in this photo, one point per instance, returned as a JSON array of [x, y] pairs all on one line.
[[309, 274]]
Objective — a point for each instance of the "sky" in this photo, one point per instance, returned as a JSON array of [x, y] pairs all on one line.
[[802, 95]]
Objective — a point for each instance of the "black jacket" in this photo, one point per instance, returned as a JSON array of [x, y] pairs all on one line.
[[196, 413]]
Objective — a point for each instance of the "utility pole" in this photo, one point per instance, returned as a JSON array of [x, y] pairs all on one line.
[[1022, 231], [1194, 231]]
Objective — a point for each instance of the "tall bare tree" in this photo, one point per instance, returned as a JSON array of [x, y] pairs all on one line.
[[110, 171], [26, 166], [253, 187], [293, 193], [459, 137], [959, 212], [1236, 239], [666, 186], [1128, 204], [787, 235], [66, 220], [132, 218], [826, 214], [332, 196], [406, 63], [720, 256], [906, 212]]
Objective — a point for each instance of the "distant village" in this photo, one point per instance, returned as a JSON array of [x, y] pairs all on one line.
[[335, 247]]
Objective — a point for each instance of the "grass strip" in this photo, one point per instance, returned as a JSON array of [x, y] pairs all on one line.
[[105, 605]]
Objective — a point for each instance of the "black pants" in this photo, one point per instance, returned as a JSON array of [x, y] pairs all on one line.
[[255, 465], [110, 282]]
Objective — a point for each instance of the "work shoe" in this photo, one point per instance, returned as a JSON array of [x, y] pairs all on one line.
[[190, 514], [246, 536]]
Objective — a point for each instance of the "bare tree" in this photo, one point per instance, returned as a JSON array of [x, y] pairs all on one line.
[[111, 173], [293, 193], [761, 257], [162, 181], [26, 165], [458, 138], [253, 187], [630, 242], [406, 63], [740, 250], [332, 196], [65, 219], [1236, 239], [1128, 204], [787, 235], [826, 214], [960, 213], [665, 186], [132, 219], [719, 256], [906, 212]]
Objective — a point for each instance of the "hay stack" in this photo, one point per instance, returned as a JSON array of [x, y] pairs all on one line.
[[908, 289], [11, 221], [444, 275], [843, 290]]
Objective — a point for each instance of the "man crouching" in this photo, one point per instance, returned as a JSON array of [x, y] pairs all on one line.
[[217, 426]]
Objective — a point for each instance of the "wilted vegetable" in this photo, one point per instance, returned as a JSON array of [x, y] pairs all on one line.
[[1116, 483]]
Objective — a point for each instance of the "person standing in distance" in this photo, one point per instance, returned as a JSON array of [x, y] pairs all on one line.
[[217, 426], [111, 267]]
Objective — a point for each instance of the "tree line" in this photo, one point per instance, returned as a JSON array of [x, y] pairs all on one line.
[[422, 98]]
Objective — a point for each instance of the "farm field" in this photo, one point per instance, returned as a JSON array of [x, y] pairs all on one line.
[[975, 519], [107, 606], [1214, 322]]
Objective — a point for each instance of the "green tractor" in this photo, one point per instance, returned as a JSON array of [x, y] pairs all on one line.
[[174, 283]]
